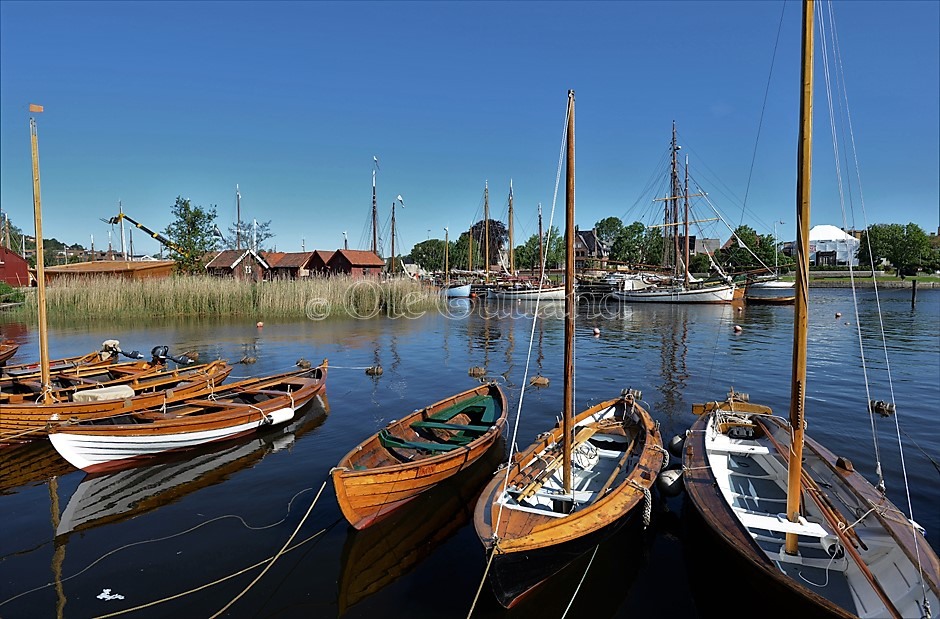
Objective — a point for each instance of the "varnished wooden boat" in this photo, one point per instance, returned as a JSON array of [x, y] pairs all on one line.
[[415, 453], [111, 497], [28, 418], [801, 519], [377, 556], [7, 350], [108, 354], [579, 482], [232, 410], [534, 527]]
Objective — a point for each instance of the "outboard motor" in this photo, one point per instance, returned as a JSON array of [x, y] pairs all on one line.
[[159, 355]]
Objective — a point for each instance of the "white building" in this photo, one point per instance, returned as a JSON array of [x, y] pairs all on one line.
[[829, 246]]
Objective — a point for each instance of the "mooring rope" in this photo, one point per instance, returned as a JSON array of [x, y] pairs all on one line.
[[578, 588], [275, 557], [163, 539]]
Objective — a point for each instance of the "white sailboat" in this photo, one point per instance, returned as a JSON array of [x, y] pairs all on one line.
[[683, 287]]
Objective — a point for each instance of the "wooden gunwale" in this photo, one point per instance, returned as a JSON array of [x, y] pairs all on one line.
[[536, 531], [192, 418], [368, 495], [30, 420]]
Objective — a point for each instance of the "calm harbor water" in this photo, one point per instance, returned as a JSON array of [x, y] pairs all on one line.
[[154, 532]]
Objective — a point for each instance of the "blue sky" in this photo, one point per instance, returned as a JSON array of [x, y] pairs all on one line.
[[147, 101]]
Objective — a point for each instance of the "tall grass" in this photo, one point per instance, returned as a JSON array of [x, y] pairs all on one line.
[[315, 298]]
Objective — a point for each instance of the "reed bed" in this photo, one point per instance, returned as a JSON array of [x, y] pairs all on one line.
[[315, 298]]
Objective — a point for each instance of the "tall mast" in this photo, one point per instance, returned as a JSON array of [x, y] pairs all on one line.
[[686, 269], [486, 228], [375, 212], [446, 257], [512, 256], [570, 305], [672, 206], [123, 245], [541, 251], [40, 262], [801, 305], [238, 218], [470, 252], [392, 268]]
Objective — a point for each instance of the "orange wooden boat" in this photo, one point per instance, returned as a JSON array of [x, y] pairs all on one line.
[[23, 418], [7, 350], [415, 453], [580, 481]]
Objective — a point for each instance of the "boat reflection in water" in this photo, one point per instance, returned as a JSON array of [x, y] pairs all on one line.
[[113, 497], [377, 556], [29, 464]]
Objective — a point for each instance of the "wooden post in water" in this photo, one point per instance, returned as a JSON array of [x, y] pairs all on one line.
[[913, 292]]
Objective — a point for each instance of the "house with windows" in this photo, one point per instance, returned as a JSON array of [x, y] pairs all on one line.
[[589, 251], [355, 263], [289, 265], [242, 264]]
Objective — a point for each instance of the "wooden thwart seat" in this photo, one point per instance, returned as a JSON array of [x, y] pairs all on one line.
[[389, 440], [437, 425]]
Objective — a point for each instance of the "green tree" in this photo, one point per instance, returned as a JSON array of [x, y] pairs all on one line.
[[498, 237], [429, 254], [750, 251], [628, 246], [193, 231], [608, 229], [527, 254], [907, 248], [246, 234]]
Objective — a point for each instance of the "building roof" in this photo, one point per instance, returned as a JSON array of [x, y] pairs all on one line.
[[324, 255], [289, 260], [109, 266], [229, 259], [592, 244], [828, 233], [359, 258]]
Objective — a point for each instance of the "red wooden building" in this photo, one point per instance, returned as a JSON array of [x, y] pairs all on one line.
[[356, 263], [13, 269]]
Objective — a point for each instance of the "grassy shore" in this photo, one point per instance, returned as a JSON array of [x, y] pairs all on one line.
[[314, 298]]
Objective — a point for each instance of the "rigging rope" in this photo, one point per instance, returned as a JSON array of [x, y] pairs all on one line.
[[581, 582], [844, 98]]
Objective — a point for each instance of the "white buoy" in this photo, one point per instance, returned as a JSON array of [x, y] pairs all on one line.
[[670, 482], [597, 331], [838, 314], [260, 324], [738, 329]]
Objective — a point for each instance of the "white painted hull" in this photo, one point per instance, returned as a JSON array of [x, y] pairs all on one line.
[[91, 452], [711, 294], [457, 291], [770, 291], [530, 294]]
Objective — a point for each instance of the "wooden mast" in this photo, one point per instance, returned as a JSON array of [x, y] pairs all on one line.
[[512, 257], [541, 254], [446, 257], [375, 213], [672, 206], [40, 263], [686, 259], [486, 229], [238, 218], [470, 252], [392, 267], [570, 305], [801, 305]]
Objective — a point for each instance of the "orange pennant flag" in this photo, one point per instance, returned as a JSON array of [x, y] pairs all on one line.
[[35, 108]]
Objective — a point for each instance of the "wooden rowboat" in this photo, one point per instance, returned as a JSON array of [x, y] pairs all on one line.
[[415, 453], [25, 419], [7, 350], [580, 481], [234, 410]]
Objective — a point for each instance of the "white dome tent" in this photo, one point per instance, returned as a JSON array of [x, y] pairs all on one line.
[[829, 246]]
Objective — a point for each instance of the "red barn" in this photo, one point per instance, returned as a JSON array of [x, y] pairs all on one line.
[[356, 263], [13, 269]]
